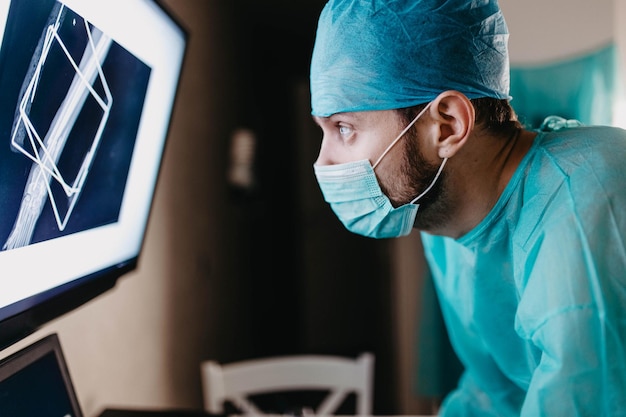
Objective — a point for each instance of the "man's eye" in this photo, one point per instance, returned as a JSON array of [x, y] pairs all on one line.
[[344, 130]]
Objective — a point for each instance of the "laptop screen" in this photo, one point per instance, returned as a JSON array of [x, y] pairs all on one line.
[[35, 382]]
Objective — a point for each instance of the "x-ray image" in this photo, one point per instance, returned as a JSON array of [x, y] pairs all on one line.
[[69, 114]]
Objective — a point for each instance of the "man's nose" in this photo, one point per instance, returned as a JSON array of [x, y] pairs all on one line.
[[324, 158]]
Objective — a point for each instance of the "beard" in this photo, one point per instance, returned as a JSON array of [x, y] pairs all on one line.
[[415, 175]]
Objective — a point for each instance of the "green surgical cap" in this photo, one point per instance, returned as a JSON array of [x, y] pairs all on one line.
[[390, 54]]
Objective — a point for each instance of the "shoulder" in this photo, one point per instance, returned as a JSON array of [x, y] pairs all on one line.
[[583, 154], [584, 139], [572, 191]]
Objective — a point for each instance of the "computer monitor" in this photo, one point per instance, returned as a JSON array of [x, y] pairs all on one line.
[[87, 89], [35, 382]]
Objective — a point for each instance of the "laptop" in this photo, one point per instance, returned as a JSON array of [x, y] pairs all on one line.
[[35, 382]]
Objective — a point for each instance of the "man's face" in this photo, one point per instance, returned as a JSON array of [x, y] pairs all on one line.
[[403, 173]]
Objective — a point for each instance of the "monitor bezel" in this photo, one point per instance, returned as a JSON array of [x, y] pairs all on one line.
[[26, 316]]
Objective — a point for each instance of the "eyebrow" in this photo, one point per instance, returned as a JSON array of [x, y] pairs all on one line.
[[351, 116]]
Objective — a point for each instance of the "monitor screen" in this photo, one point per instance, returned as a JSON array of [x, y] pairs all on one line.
[[35, 382], [88, 88]]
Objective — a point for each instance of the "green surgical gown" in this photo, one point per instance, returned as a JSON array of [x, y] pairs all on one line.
[[534, 297]]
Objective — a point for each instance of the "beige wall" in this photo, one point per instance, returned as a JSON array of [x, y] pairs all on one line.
[[543, 31], [140, 344]]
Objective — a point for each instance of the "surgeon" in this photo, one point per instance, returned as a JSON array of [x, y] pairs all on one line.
[[524, 230]]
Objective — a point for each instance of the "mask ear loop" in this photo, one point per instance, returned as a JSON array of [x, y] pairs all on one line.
[[432, 183], [406, 129], [400, 136]]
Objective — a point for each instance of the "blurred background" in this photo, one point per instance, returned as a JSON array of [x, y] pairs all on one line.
[[242, 257]]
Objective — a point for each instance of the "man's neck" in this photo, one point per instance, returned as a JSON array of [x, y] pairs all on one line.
[[479, 175]]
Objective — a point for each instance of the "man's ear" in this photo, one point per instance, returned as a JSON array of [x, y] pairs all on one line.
[[454, 115]]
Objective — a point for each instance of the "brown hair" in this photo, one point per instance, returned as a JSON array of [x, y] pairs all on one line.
[[496, 116]]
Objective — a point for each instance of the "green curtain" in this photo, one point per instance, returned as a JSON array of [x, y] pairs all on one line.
[[582, 88]]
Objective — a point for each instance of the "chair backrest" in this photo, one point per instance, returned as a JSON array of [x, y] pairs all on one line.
[[339, 376]]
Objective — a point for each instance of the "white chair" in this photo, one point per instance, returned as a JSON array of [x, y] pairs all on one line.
[[340, 376]]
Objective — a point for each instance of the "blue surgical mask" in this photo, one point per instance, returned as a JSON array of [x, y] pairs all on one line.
[[354, 194]]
